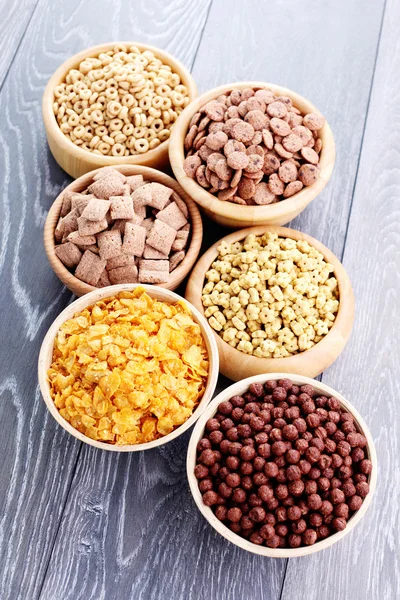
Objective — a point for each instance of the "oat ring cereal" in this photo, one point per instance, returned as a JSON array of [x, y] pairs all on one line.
[[122, 102], [129, 369]]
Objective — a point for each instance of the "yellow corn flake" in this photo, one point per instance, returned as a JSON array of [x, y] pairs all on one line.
[[129, 369]]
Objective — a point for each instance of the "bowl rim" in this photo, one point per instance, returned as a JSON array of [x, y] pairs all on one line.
[[195, 220], [238, 388], [106, 292], [59, 74], [342, 325], [239, 212]]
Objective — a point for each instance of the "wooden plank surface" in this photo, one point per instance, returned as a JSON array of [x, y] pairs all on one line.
[[37, 458], [366, 564], [14, 19], [130, 528]]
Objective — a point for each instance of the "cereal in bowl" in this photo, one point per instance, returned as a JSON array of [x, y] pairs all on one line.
[[129, 369]]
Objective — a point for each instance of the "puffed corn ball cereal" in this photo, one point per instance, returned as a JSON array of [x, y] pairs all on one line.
[[119, 103], [129, 369], [270, 296]]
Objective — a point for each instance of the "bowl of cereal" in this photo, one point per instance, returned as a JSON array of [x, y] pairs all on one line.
[[282, 465], [128, 367], [114, 103], [277, 299], [127, 224], [252, 153]]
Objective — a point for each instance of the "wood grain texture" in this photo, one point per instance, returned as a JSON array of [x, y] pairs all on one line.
[[235, 364], [367, 563], [37, 457], [130, 529], [228, 213], [324, 51], [14, 19]]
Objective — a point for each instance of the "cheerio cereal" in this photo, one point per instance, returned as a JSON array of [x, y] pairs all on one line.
[[129, 369], [270, 296], [120, 102]]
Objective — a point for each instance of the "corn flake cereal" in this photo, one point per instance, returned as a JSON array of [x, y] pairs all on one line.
[[129, 369]]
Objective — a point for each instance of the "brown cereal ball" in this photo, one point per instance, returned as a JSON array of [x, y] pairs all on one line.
[[309, 537], [336, 496], [212, 424], [233, 463], [341, 510], [294, 513], [238, 401], [294, 540], [281, 491], [293, 473], [207, 457], [314, 501], [315, 520], [278, 448], [225, 408], [224, 490], [282, 530], [210, 498], [339, 524], [292, 456], [260, 479], [305, 467], [265, 493], [233, 480], [326, 508], [323, 532], [348, 489], [362, 489], [366, 467], [237, 413], [204, 444], [234, 515], [273, 542], [216, 437], [239, 495], [300, 425], [299, 526], [290, 432], [281, 514], [267, 531], [257, 514], [257, 389], [205, 485], [201, 471], [256, 538], [296, 488], [246, 523], [221, 512], [355, 503], [271, 470]]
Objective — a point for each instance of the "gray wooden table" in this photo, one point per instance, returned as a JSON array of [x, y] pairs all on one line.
[[79, 523]]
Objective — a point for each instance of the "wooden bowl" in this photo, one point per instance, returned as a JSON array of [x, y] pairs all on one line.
[[235, 215], [79, 287], [198, 432], [75, 160], [237, 365], [46, 355]]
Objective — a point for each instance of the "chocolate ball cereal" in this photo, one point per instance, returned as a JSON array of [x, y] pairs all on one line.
[[271, 149], [271, 491]]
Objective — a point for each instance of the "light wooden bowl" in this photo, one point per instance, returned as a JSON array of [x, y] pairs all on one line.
[[235, 215], [240, 388], [75, 160], [46, 355], [79, 287], [237, 365]]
